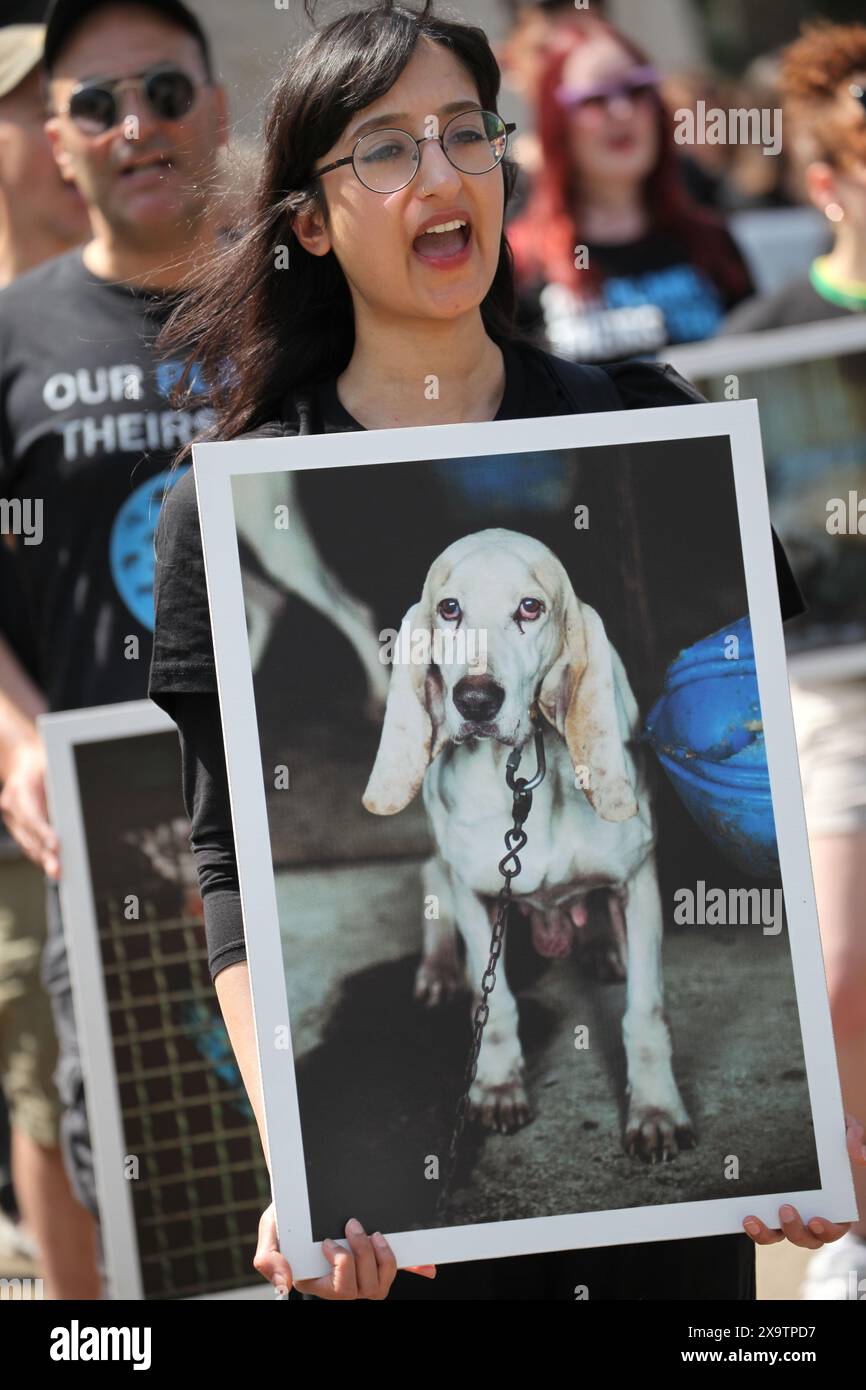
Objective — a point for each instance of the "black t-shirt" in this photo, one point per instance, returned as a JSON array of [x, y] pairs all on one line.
[[87, 436], [650, 295], [183, 681]]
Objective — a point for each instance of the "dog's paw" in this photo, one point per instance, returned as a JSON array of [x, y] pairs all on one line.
[[655, 1134], [503, 1107], [437, 979]]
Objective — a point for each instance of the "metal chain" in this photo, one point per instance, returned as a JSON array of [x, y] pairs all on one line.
[[515, 840]]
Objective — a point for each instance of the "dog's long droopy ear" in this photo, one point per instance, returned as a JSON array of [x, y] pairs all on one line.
[[578, 698], [412, 731]]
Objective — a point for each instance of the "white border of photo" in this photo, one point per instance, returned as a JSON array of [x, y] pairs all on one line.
[[215, 467]]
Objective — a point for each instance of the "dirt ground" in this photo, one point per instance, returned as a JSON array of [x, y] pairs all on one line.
[[389, 1068]]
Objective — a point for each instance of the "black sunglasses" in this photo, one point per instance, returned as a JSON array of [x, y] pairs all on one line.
[[169, 91]]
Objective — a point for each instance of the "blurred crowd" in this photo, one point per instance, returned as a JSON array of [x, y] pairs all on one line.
[[627, 241]]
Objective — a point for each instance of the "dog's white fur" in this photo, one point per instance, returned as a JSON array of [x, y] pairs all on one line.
[[591, 823], [291, 560]]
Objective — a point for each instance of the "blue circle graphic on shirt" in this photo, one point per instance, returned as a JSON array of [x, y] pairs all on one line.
[[130, 550]]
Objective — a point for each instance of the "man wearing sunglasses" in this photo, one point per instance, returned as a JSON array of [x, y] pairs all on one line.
[[87, 429], [137, 133]]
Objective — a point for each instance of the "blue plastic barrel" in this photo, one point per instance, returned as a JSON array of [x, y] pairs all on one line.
[[707, 732]]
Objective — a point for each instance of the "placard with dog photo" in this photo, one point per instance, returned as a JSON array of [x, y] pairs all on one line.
[[578, 785]]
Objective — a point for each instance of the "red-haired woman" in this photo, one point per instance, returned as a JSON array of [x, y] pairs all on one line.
[[613, 257]]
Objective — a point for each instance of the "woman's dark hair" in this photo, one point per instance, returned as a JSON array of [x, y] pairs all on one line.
[[268, 316]]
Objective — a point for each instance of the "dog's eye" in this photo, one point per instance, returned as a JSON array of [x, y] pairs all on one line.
[[530, 609], [449, 608]]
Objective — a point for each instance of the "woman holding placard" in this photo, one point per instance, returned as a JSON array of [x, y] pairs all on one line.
[[374, 265]]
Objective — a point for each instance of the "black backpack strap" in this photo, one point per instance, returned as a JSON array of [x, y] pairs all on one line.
[[586, 387]]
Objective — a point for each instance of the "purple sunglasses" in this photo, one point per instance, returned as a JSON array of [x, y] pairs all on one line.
[[638, 80]]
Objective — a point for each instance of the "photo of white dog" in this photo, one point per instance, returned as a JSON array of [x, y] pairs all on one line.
[[448, 730]]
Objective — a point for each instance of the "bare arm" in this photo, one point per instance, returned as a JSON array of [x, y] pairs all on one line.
[[23, 803], [20, 702], [233, 992]]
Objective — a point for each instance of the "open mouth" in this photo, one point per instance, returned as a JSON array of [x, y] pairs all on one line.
[[444, 241]]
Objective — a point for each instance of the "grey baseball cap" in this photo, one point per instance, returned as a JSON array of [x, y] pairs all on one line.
[[20, 52]]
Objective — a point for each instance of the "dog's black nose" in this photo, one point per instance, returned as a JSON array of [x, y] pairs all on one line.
[[478, 698]]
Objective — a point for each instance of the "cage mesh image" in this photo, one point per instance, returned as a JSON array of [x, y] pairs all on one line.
[[202, 1182], [198, 1181]]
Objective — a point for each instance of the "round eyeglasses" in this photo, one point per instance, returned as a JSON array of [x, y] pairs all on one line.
[[387, 160]]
